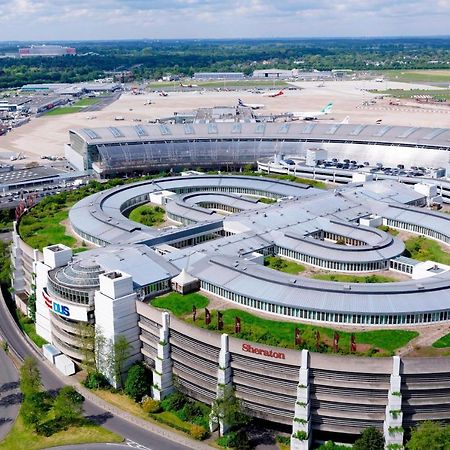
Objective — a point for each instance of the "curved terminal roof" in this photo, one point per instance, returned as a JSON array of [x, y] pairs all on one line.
[[299, 221], [383, 134]]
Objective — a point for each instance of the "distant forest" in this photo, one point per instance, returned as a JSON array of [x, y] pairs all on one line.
[[150, 59]]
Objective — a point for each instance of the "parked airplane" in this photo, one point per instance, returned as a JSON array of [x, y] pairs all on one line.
[[272, 94], [312, 115], [250, 105]]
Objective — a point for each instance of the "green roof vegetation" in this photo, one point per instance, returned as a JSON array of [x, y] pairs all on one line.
[[151, 216], [424, 249], [389, 230], [354, 278], [283, 265], [180, 305], [280, 333]]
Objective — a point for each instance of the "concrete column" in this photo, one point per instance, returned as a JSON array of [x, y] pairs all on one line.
[[224, 380], [392, 427], [163, 373], [301, 425]]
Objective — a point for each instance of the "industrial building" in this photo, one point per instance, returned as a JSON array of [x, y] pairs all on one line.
[[46, 50], [232, 76]]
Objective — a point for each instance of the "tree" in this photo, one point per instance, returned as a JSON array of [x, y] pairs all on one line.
[[30, 377], [35, 407], [429, 435], [68, 404], [137, 384], [86, 340], [371, 439], [228, 409], [120, 354]]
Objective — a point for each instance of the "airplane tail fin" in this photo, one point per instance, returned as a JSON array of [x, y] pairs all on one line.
[[328, 108], [346, 120]]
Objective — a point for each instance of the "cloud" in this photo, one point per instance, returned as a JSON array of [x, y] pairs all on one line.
[[119, 19]]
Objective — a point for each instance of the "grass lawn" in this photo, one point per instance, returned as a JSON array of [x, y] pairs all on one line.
[[61, 110], [283, 265], [353, 278], [442, 76], [280, 333], [443, 342], [179, 304], [148, 215], [76, 107], [21, 438], [408, 93], [424, 249], [28, 327]]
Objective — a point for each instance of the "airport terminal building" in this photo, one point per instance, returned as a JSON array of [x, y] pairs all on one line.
[[220, 233]]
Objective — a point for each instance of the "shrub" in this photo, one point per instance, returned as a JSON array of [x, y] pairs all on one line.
[[174, 401], [227, 439], [286, 440], [151, 406], [191, 411], [96, 380], [301, 435], [137, 383], [199, 433]]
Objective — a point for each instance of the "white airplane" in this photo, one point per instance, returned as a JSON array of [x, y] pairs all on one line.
[[273, 94], [250, 105], [312, 115]]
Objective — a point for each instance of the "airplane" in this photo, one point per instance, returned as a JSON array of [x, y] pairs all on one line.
[[188, 85], [312, 115], [250, 105], [272, 94]]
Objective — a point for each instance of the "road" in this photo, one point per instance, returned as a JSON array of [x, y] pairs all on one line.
[[9, 394], [51, 381]]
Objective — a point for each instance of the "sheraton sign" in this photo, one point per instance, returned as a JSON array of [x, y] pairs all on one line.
[[263, 352]]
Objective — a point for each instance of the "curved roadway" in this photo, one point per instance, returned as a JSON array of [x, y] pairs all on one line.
[[111, 421]]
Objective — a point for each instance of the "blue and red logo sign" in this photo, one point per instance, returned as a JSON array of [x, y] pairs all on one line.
[[54, 306]]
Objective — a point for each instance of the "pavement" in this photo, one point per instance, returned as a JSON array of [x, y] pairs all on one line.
[[10, 397], [127, 445], [131, 428]]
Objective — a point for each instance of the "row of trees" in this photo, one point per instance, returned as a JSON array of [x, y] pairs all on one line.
[[41, 411], [426, 436], [152, 59]]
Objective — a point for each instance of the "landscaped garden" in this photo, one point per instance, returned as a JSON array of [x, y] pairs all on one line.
[[281, 333], [149, 215], [76, 107], [283, 265], [443, 342], [424, 249]]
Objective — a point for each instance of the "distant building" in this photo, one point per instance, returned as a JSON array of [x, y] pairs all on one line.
[[219, 76], [273, 73], [46, 50]]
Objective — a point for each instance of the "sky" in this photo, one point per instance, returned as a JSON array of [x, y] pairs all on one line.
[[44, 20]]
